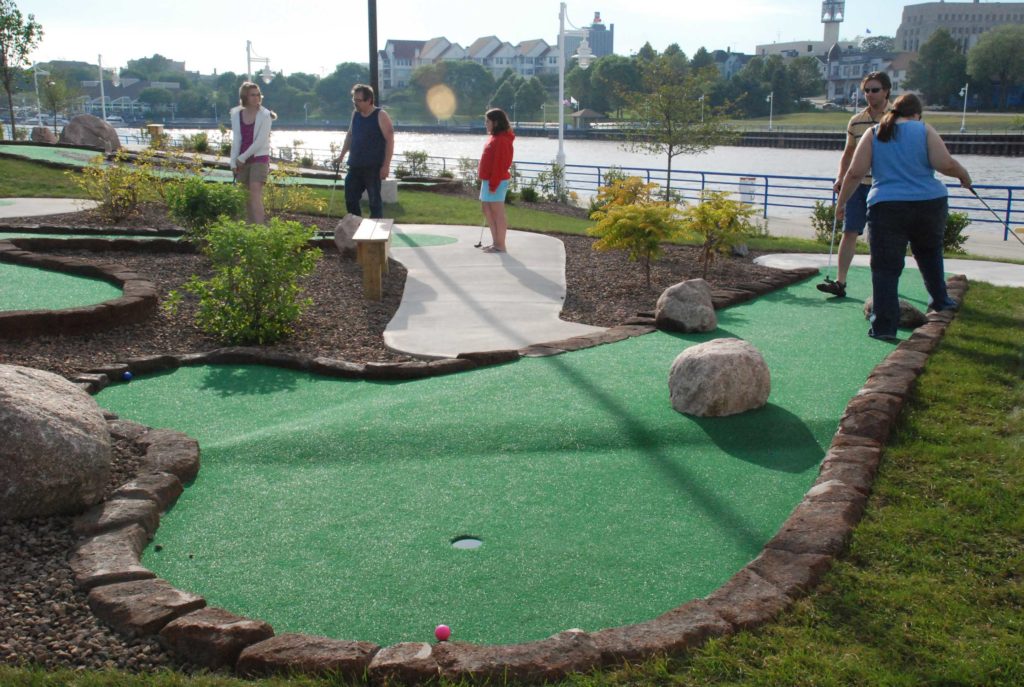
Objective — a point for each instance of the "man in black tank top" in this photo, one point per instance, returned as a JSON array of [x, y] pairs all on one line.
[[370, 143]]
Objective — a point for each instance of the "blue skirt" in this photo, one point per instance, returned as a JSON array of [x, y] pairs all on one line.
[[498, 196]]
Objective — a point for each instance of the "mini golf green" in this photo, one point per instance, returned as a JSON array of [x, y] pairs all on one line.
[[30, 288], [330, 506]]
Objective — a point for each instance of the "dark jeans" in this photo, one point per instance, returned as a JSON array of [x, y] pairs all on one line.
[[891, 227], [361, 179]]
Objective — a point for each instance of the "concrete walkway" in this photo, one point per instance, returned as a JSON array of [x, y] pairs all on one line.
[[996, 273], [36, 207], [983, 240], [459, 299]]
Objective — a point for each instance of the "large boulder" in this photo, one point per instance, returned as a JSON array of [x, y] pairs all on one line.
[[910, 317], [43, 134], [55, 457], [686, 307], [719, 377], [87, 130]]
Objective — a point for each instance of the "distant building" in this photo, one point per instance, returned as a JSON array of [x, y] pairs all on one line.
[[600, 38], [965, 21], [400, 58], [832, 14]]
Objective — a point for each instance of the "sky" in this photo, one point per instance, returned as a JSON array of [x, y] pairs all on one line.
[[315, 35]]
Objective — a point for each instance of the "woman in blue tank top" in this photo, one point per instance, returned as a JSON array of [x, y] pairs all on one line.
[[906, 204]]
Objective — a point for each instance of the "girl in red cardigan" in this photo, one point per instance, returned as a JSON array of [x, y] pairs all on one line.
[[494, 176]]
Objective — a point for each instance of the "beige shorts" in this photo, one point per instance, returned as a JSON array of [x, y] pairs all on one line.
[[252, 172]]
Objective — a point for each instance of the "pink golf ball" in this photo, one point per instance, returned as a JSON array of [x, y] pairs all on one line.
[[442, 632]]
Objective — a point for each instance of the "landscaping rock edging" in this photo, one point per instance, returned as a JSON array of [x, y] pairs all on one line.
[[138, 302], [130, 598]]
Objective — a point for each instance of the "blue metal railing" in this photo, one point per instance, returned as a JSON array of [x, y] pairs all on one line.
[[789, 194]]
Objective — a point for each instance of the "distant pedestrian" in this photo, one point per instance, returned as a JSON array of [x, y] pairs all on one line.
[[370, 143], [906, 204], [494, 176], [250, 147], [876, 87]]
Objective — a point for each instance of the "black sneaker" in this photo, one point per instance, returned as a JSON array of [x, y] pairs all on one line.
[[836, 288]]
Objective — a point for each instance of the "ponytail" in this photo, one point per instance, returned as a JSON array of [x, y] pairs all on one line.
[[906, 106]]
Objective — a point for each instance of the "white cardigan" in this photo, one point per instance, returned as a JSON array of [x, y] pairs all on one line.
[[260, 136]]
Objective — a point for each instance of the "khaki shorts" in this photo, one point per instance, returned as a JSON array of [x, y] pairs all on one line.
[[252, 172]]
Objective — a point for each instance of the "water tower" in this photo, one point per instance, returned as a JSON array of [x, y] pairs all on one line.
[[832, 12]]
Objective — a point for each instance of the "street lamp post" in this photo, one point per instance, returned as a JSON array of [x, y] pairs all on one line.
[[963, 118], [250, 56], [583, 56], [771, 107], [36, 71], [305, 109], [115, 80], [701, 99]]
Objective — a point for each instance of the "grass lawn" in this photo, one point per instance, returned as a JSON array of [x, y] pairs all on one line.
[[24, 179], [944, 122]]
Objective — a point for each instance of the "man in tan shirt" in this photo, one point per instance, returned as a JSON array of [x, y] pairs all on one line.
[[876, 87]]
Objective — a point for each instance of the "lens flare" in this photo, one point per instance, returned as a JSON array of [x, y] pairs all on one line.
[[441, 101]]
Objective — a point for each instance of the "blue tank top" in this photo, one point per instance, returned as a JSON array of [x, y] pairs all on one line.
[[900, 169], [368, 145]]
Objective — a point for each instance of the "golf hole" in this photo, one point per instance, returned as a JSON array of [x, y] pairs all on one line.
[[466, 542]]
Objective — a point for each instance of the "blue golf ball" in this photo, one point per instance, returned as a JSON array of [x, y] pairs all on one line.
[[126, 376]]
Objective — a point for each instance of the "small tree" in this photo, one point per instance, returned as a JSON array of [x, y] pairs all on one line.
[[953, 238], [57, 96], [632, 221], [719, 223], [19, 35], [669, 114]]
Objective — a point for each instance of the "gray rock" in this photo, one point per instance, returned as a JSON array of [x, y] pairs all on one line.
[[87, 130], [56, 453], [719, 377], [43, 134], [343, 233], [213, 637], [686, 307], [288, 654], [910, 317]]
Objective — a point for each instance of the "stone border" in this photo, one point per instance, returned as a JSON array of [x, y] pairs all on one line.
[[138, 302], [131, 599]]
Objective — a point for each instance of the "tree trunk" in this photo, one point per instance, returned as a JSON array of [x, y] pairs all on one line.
[[10, 109]]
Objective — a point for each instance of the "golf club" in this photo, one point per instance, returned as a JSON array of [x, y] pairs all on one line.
[[337, 169], [831, 245], [481, 241], [1006, 225]]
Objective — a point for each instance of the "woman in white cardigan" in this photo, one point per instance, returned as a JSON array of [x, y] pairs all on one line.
[[250, 147]]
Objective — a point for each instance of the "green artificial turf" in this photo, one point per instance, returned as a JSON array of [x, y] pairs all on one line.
[[329, 506], [68, 156], [31, 288], [414, 240]]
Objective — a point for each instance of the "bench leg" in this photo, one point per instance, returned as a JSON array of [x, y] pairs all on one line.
[[374, 259]]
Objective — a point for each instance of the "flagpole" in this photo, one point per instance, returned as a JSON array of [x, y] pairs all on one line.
[[560, 158]]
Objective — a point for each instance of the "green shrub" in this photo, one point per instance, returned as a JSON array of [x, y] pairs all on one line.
[[198, 142], [120, 186], [254, 294], [282, 192], [401, 172], [529, 194], [446, 174], [416, 160], [822, 219], [953, 238], [719, 222], [196, 204], [468, 168]]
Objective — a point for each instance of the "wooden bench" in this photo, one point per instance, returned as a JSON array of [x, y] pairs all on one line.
[[373, 241]]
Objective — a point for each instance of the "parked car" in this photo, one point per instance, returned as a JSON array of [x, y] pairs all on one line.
[[831, 107]]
